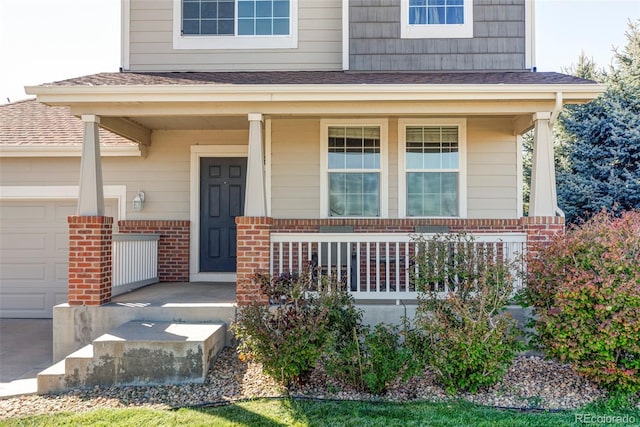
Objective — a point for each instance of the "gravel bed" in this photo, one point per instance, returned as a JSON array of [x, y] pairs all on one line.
[[530, 383]]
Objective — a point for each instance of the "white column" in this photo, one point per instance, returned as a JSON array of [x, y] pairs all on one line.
[[91, 197], [543, 199], [255, 199]]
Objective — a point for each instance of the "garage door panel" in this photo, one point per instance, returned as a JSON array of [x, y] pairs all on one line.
[[22, 212], [34, 246], [30, 298], [62, 243], [23, 241], [64, 211], [24, 272]]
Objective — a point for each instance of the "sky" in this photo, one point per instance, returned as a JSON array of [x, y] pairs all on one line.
[[43, 41]]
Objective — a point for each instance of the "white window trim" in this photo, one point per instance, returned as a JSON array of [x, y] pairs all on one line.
[[432, 31], [402, 167], [197, 152], [383, 124], [234, 42]]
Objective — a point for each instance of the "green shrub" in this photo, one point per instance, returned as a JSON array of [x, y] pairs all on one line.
[[585, 291], [464, 336], [289, 336], [371, 359]]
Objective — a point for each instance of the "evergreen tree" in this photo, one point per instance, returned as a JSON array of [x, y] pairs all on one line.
[[601, 141]]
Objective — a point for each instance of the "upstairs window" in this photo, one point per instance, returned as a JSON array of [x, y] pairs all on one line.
[[235, 24], [436, 18]]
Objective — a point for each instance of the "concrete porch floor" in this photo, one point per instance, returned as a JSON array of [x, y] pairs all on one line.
[[171, 293]]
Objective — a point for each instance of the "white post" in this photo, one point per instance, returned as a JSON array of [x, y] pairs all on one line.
[[543, 200], [91, 197], [255, 200]]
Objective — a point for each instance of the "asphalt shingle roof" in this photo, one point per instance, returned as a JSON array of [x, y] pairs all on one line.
[[319, 78], [30, 123]]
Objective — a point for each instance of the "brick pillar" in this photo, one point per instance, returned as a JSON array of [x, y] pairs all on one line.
[[253, 240], [90, 260], [540, 230]]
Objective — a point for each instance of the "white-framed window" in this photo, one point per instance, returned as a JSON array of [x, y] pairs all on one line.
[[432, 168], [235, 24], [353, 168], [436, 19]]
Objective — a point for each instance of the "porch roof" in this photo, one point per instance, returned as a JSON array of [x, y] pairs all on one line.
[[132, 104], [310, 86], [29, 128], [322, 78]]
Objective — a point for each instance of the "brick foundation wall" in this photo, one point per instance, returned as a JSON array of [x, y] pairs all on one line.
[[173, 246], [90, 246], [253, 235]]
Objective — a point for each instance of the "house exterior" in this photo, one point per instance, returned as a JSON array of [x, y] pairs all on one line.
[[274, 132]]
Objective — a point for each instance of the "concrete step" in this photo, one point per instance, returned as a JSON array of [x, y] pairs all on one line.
[[140, 353], [52, 379]]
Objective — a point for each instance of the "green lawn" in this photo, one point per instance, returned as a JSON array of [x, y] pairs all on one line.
[[271, 413]]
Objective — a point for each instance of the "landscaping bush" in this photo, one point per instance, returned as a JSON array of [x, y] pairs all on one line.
[[464, 337], [371, 359], [585, 291], [289, 336], [306, 317]]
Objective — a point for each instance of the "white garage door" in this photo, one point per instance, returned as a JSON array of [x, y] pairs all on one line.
[[34, 255]]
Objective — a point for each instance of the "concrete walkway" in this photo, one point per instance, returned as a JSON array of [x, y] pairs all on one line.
[[26, 348]]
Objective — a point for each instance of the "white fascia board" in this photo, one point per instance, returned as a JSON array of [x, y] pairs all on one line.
[[64, 95], [58, 151]]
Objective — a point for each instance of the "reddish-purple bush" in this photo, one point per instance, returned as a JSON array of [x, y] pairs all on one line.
[[585, 290]]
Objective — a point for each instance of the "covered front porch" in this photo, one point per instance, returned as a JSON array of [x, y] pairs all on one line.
[[277, 191]]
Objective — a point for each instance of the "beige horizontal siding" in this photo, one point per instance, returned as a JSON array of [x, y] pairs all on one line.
[[492, 176], [151, 42], [295, 168], [164, 175]]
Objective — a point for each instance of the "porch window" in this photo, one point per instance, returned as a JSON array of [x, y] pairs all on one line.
[[432, 170], [436, 18], [353, 168], [354, 171], [235, 24]]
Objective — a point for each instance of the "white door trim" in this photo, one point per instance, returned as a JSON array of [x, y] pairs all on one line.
[[197, 152]]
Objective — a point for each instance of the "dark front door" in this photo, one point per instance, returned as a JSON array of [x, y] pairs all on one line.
[[222, 182]]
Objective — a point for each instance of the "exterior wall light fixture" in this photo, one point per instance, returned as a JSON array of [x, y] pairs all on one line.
[[138, 202]]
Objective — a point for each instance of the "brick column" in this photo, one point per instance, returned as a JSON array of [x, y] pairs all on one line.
[[90, 260], [540, 230], [253, 239]]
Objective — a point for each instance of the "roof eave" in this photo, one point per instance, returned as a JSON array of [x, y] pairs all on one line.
[[66, 95]]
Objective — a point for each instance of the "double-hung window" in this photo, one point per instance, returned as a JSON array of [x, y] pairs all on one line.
[[235, 24], [354, 184], [436, 18], [432, 170]]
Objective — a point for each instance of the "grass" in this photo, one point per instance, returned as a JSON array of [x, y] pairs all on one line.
[[272, 413]]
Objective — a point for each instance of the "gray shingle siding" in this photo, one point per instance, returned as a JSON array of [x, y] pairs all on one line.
[[376, 45]]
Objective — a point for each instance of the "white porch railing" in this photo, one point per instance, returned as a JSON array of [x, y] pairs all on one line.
[[135, 261], [374, 265]]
